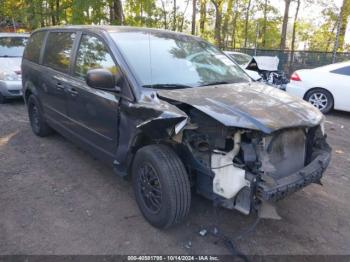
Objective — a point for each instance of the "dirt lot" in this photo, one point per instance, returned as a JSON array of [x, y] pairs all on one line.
[[57, 199]]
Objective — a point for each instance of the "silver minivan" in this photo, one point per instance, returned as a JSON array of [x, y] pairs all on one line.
[[11, 52]]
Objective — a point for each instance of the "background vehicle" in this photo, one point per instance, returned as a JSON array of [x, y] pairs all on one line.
[[266, 67], [243, 60], [11, 51], [114, 91], [326, 87]]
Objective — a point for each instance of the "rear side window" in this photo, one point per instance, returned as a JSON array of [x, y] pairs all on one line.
[[342, 71], [33, 48], [92, 54], [58, 50]]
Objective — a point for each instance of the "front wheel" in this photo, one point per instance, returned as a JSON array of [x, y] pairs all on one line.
[[321, 99], [161, 186], [2, 99]]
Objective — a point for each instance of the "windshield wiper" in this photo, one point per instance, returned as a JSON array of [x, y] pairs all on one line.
[[167, 86], [8, 56], [217, 83]]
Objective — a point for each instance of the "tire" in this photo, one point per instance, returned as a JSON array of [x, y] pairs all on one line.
[[158, 172], [2, 99], [321, 99], [36, 118]]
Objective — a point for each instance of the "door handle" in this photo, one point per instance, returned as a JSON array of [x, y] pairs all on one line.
[[72, 91], [59, 86]]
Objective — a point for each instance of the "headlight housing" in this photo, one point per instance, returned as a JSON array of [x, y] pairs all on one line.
[[10, 76]]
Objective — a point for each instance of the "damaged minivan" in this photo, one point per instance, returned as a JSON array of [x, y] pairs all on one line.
[[174, 113]]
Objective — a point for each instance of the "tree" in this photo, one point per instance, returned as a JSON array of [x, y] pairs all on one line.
[[344, 15], [193, 29], [218, 15], [265, 23], [174, 16], [294, 33], [164, 15], [246, 23], [295, 25], [203, 14], [284, 24], [234, 24], [228, 15]]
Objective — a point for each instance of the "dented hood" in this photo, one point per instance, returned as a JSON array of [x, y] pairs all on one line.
[[248, 105]]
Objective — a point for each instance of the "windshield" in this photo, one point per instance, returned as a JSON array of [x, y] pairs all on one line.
[[168, 60], [12, 46], [241, 59]]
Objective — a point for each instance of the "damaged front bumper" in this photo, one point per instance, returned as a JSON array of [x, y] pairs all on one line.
[[278, 189]]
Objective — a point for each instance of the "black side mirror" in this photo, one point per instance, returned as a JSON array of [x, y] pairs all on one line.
[[101, 79]]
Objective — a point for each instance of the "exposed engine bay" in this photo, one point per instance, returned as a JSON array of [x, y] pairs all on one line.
[[242, 147], [239, 168]]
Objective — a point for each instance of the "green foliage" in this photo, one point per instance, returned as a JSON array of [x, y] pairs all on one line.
[[264, 20]]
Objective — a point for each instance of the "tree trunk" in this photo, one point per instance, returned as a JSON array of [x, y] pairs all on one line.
[[226, 20], [293, 35], [218, 11], [285, 24], [234, 23], [111, 12], [164, 16], [265, 24], [52, 12], [246, 24], [118, 12], [295, 25], [203, 14], [329, 42], [174, 16], [193, 30], [57, 11], [183, 17], [344, 15], [42, 21]]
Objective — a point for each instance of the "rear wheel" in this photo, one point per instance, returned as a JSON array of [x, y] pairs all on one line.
[[321, 99], [161, 186], [2, 99], [36, 118]]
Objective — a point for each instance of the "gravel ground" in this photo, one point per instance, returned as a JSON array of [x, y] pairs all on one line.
[[57, 199]]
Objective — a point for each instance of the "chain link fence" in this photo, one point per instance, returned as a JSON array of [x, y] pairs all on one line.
[[291, 61]]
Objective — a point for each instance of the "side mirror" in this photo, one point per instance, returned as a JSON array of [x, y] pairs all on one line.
[[101, 79]]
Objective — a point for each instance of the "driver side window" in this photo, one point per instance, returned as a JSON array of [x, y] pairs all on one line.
[[93, 54]]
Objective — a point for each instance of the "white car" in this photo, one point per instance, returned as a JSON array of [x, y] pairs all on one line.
[[11, 51], [326, 87]]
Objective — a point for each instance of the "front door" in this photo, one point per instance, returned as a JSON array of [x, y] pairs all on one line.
[[93, 113]]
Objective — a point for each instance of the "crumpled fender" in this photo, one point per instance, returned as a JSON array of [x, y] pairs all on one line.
[[163, 119], [155, 118], [162, 126]]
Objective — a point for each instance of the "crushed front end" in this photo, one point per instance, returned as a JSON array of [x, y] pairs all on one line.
[[241, 168]]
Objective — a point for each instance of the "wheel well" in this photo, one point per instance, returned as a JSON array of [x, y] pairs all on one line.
[[27, 94], [141, 140], [319, 88]]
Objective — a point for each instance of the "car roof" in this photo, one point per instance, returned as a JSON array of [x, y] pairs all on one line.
[[112, 29], [333, 66], [14, 35]]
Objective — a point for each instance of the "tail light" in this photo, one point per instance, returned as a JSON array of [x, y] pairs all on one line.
[[295, 77]]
